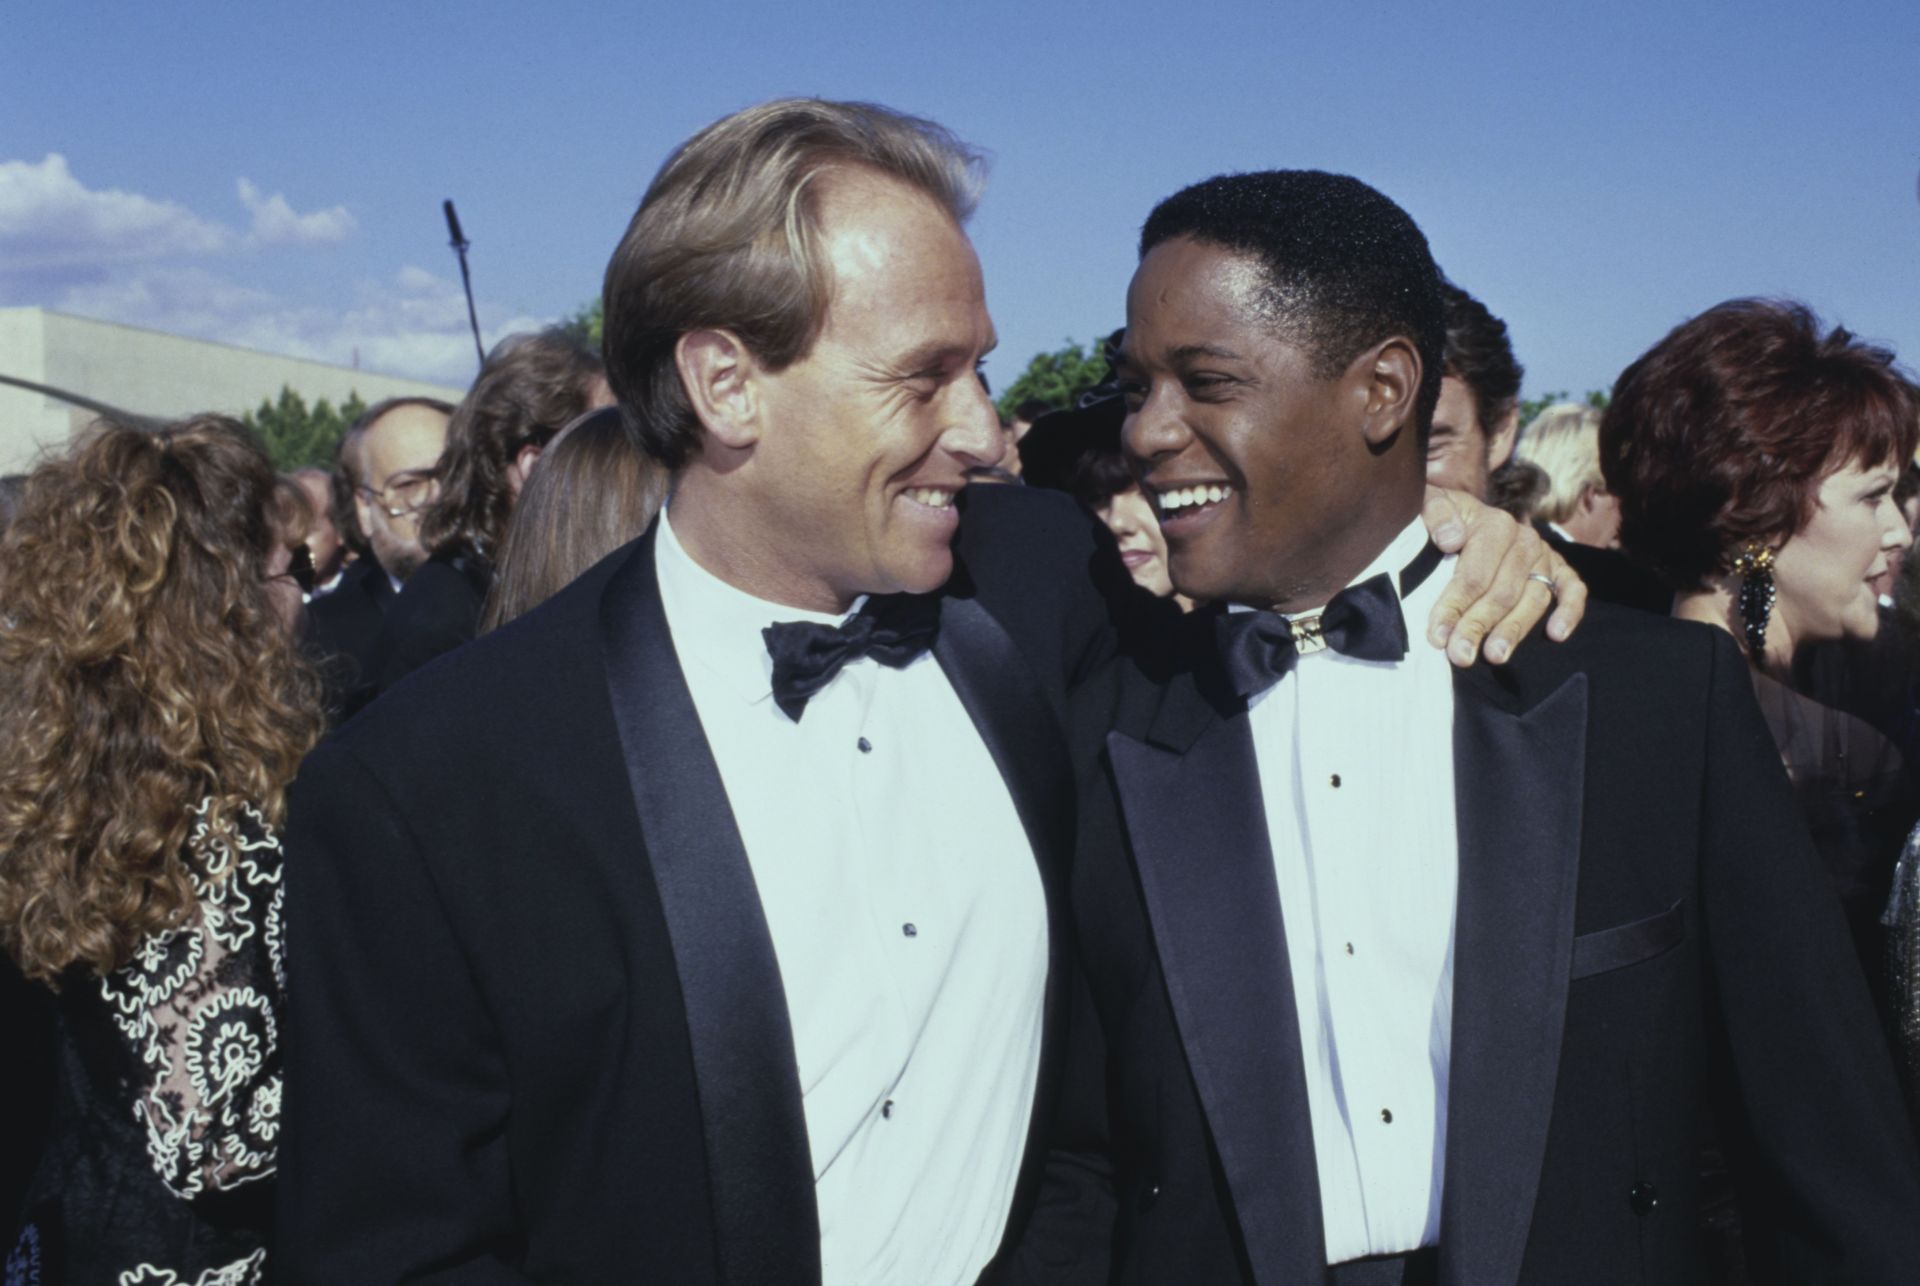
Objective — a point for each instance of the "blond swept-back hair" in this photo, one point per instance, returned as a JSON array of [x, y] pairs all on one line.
[[1564, 442], [728, 237], [143, 670]]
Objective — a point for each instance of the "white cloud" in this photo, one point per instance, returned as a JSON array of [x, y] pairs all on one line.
[[276, 223], [185, 301], [414, 324], [49, 220], [116, 256]]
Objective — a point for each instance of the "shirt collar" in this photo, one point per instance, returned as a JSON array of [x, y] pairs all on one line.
[[1402, 550], [717, 626], [1392, 560]]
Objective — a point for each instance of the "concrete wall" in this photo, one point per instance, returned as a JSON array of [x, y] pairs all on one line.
[[151, 373]]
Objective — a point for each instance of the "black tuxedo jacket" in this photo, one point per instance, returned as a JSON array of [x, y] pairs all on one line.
[[1643, 935], [537, 1029]]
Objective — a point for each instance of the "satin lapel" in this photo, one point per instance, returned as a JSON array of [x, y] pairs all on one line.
[[1192, 803], [760, 1173], [1519, 790], [1022, 732]]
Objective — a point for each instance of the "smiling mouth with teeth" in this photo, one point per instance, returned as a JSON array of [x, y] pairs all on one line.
[[932, 497], [1180, 499]]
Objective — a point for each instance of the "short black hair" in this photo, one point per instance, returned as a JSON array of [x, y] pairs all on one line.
[[1345, 267], [1480, 355], [1032, 408]]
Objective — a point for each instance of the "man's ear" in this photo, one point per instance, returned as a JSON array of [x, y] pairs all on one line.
[[1500, 442], [1391, 373], [521, 466], [718, 374]]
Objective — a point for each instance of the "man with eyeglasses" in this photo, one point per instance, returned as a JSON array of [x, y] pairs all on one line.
[[384, 477]]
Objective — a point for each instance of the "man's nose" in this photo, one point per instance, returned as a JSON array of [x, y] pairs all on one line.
[[1153, 430], [974, 433]]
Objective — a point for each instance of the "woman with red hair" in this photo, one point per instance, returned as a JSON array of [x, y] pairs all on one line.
[[1754, 455]]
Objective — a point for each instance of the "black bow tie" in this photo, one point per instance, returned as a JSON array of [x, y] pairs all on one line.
[[1362, 621], [806, 655]]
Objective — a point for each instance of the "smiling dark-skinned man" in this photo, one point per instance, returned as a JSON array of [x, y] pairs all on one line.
[[682, 954], [1406, 974]]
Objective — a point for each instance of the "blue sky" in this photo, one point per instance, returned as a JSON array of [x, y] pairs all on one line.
[[271, 174]]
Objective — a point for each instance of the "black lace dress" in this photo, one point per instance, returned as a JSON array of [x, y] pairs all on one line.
[[159, 1160]]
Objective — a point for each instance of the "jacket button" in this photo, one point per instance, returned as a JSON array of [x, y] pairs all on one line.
[[1643, 1198], [1149, 1195]]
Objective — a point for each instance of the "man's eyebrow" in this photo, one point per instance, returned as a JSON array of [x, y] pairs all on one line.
[[937, 355], [1188, 352]]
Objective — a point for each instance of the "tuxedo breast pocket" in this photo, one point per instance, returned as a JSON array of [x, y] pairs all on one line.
[[1605, 950]]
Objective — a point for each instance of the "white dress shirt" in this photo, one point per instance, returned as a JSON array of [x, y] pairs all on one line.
[[1356, 773], [910, 925]]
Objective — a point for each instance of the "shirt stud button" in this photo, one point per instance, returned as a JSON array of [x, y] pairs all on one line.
[[886, 1109], [866, 747], [909, 931], [1386, 1115], [1349, 948], [1335, 781]]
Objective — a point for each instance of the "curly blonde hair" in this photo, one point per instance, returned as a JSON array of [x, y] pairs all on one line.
[[142, 670]]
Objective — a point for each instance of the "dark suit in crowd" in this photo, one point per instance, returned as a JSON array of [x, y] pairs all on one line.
[[1643, 935], [557, 1046], [436, 611], [344, 624]]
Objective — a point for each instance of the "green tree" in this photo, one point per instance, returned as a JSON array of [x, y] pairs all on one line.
[[587, 322], [297, 435], [1056, 378]]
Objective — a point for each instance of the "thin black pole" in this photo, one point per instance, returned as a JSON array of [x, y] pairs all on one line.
[[466, 279]]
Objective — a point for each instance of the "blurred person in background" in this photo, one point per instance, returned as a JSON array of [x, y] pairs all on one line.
[[1577, 514], [1478, 415], [324, 542], [1564, 441], [153, 709], [1078, 452], [383, 476], [1755, 457], [530, 388], [592, 492], [294, 520], [388, 461]]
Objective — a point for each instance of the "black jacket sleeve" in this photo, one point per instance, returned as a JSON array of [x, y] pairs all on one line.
[[393, 1159]]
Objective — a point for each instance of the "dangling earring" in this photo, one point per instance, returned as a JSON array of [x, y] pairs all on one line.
[[1754, 565]]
